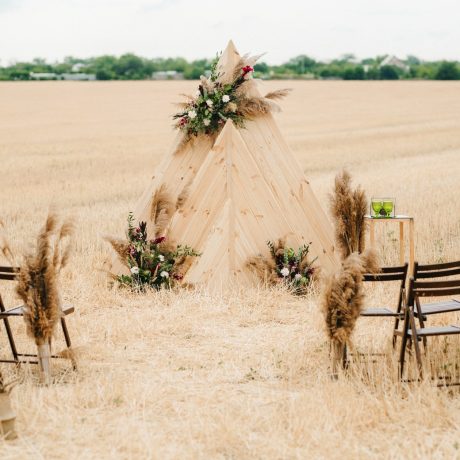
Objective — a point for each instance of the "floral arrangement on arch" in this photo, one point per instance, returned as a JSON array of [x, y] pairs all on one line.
[[286, 265], [153, 263], [215, 102]]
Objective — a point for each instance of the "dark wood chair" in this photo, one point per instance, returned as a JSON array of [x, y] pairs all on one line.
[[412, 333], [388, 274], [9, 274], [431, 272]]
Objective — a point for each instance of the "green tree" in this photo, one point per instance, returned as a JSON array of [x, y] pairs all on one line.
[[353, 73], [448, 71], [388, 72]]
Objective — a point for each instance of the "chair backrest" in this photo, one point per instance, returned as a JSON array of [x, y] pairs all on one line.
[[398, 273], [8, 273], [436, 270], [431, 289]]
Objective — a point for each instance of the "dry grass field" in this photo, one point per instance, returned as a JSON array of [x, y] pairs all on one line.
[[243, 375]]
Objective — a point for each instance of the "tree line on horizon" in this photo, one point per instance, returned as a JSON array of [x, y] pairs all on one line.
[[132, 67]]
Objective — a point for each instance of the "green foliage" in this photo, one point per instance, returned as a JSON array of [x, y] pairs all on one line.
[[213, 104], [132, 67], [448, 71], [151, 263], [388, 72], [293, 266]]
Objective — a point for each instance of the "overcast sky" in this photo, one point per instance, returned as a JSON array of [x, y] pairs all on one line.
[[323, 29]]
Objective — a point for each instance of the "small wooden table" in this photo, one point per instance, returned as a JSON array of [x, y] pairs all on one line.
[[402, 220]]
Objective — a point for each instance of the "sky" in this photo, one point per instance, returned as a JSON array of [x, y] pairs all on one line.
[[322, 29]]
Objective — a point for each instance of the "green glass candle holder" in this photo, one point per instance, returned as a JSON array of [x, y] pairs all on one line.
[[382, 208]]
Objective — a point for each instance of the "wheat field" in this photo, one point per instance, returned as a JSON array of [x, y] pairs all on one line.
[[243, 375]]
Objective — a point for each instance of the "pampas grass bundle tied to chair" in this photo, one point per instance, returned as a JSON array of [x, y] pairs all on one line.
[[343, 297], [348, 208], [38, 287], [343, 301]]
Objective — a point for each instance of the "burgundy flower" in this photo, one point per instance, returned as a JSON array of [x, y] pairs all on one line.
[[159, 240], [183, 121], [178, 276], [246, 69]]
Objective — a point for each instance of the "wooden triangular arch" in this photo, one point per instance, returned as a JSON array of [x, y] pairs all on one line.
[[244, 190]]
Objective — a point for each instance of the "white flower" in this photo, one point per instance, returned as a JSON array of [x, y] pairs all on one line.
[[134, 270], [161, 257], [206, 122], [285, 271], [192, 114], [225, 98], [197, 94], [209, 102], [298, 276], [164, 274]]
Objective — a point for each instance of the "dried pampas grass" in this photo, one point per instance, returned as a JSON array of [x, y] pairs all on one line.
[[37, 279], [38, 286], [348, 208], [278, 94], [343, 299]]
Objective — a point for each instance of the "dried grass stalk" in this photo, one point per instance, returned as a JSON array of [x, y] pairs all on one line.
[[263, 268], [161, 210], [348, 208], [278, 94], [38, 286], [4, 246], [120, 246], [251, 107], [343, 299]]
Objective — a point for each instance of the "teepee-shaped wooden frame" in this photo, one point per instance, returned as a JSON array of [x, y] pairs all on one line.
[[244, 190]]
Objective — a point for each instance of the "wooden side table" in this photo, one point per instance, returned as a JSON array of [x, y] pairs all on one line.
[[402, 220]]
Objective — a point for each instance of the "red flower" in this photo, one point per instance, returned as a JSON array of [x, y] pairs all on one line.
[[183, 121], [178, 276], [246, 69], [159, 240]]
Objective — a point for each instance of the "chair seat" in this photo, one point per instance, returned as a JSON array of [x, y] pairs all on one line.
[[19, 311], [379, 311], [440, 307], [439, 330]]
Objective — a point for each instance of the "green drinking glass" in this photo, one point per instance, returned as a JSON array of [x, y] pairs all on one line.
[[388, 206], [377, 206]]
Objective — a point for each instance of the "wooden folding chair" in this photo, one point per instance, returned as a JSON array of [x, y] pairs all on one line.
[[9, 273], [398, 273], [435, 271], [413, 334]]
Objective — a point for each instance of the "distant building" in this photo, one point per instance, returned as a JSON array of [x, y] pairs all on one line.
[[167, 75], [395, 62], [43, 76], [77, 67], [64, 76], [78, 76]]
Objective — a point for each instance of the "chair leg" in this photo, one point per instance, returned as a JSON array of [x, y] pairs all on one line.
[[402, 354], [418, 355], [66, 333], [9, 334]]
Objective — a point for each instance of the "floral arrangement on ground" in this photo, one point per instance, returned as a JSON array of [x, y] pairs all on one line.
[[215, 102], [285, 265], [153, 263]]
